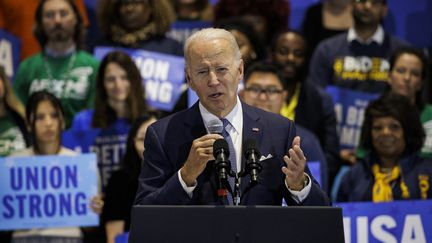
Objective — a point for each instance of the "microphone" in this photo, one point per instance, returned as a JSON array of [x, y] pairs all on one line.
[[221, 154], [215, 127], [252, 154]]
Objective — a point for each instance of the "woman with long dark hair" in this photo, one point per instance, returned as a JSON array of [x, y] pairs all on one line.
[[119, 101], [407, 76]]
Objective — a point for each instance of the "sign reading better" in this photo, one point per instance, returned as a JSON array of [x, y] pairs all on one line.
[[47, 191]]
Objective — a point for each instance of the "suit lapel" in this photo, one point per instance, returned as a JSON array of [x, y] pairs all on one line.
[[197, 129], [252, 129], [195, 122]]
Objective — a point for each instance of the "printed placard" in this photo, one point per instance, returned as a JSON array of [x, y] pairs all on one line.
[[47, 191], [181, 30], [109, 144], [163, 75], [349, 107], [398, 221], [10, 49]]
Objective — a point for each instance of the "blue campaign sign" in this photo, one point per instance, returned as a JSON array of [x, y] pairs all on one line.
[[10, 48], [163, 75], [181, 30], [315, 169], [47, 191], [398, 221], [109, 144], [122, 238], [349, 107]]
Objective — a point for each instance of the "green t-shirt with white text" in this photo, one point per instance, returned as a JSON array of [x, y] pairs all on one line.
[[72, 79]]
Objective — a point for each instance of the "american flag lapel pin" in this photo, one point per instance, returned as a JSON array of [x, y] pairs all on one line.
[[255, 129]]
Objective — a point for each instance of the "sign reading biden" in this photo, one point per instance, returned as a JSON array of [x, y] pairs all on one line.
[[349, 107], [392, 222], [163, 75], [47, 191]]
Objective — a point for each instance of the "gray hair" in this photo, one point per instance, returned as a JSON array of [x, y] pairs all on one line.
[[208, 34]]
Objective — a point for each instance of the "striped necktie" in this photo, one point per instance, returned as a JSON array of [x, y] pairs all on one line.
[[232, 155]]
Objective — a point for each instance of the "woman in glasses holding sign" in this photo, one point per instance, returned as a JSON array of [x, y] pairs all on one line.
[[45, 119]]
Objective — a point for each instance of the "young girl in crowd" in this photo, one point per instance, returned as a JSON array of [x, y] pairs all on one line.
[[45, 118], [123, 184]]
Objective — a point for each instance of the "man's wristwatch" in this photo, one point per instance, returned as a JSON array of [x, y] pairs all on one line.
[[305, 183]]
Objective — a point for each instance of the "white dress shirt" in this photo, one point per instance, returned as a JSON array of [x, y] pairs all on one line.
[[378, 36]]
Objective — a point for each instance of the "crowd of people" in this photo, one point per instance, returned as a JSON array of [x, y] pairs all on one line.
[[250, 72]]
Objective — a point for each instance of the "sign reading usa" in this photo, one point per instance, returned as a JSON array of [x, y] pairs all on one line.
[[392, 222], [163, 75], [47, 191]]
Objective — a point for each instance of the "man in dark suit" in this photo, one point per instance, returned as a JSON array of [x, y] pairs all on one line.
[[178, 165]]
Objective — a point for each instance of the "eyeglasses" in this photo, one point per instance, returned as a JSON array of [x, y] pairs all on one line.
[[373, 2], [271, 92]]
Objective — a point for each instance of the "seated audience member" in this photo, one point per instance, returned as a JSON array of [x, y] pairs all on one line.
[[177, 167], [61, 68], [122, 186], [264, 88], [13, 130], [306, 104], [139, 24], [326, 19], [392, 169], [195, 10], [357, 59], [119, 101], [407, 77], [247, 39], [18, 18], [45, 118]]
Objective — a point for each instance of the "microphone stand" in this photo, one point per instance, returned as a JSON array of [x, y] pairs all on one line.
[[222, 194], [236, 192]]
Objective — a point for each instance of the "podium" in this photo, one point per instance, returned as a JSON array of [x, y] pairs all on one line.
[[224, 224]]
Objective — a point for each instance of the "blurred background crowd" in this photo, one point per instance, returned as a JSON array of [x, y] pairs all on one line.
[[304, 60]]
